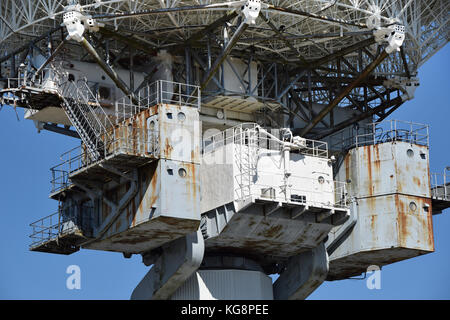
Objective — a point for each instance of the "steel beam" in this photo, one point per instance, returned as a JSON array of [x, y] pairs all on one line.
[[52, 56], [108, 70], [299, 108], [311, 36], [128, 40], [338, 80], [300, 103], [141, 13], [226, 51], [383, 106], [387, 114], [405, 63], [205, 67], [280, 34], [209, 28], [345, 92], [315, 16], [26, 46], [60, 130], [335, 55]]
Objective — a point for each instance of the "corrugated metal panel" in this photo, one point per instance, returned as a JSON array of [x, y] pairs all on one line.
[[226, 285]]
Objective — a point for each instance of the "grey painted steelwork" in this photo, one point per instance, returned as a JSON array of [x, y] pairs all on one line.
[[273, 202], [176, 262], [131, 187], [149, 177], [440, 190], [226, 284], [389, 182], [304, 274]]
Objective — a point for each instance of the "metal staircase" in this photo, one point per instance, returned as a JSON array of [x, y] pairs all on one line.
[[87, 116]]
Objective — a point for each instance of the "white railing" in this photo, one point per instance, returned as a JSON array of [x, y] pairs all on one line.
[[58, 224], [45, 229], [264, 140], [14, 83], [158, 92], [380, 132], [297, 190], [125, 140], [440, 185]]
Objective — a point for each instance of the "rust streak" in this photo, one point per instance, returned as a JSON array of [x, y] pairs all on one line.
[[369, 168], [373, 222], [416, 181], [167, 149], [402, 221], [347, 167], [153, 184], [272, 232]]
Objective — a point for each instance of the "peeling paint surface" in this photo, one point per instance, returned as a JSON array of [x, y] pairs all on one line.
[[394, 210]]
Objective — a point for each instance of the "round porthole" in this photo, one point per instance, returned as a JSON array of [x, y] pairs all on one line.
[[321, 180], [181, 116], [182, 172], [410, 153], [412, 206]]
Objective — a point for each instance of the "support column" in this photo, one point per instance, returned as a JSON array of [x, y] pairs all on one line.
[[175, 263], [304, 274]]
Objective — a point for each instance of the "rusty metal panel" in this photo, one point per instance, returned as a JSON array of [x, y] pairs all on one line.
[[388, 229], [179, 130], [412, 169], [274, 236], [390, 221], [166, 206], [167, 201], [180, 189], [390, 184], [375, 170], [386, 168]]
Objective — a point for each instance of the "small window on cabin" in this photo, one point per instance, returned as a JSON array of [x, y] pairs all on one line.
[[71, 77], [104, 92]]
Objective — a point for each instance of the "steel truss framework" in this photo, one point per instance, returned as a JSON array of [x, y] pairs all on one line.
[[307, 51]]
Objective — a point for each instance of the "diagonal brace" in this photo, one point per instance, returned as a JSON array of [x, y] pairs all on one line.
[[221, 58], [345, 92]]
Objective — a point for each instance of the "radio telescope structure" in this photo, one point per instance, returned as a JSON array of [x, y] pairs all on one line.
[[227, 141]]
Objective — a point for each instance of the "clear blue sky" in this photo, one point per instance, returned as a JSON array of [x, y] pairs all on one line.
[[25, 184]]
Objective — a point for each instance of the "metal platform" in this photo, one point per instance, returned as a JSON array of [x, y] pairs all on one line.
[[440, 191], [440, 198], [99, 172], [64, 244], [234, 103], [268, 230], [31, 98], [126, 151], [24, 93], [52, 234]]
